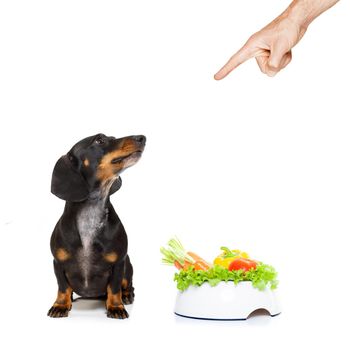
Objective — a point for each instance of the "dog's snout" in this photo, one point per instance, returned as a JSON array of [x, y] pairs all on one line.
[[140, 139]]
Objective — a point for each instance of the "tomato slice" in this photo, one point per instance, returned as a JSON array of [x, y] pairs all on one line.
[[242, 264]]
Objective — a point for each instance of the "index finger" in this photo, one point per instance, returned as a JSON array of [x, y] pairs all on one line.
[[242, 55]]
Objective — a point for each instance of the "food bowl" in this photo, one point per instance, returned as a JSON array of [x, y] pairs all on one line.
[[225, 301]]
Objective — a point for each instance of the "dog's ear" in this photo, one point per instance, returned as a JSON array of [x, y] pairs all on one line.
[[116, 185], [67, 183]]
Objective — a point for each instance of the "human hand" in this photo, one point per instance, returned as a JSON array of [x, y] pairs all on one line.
[[271, 46]]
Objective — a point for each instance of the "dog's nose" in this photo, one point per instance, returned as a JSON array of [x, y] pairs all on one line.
[[140, 139]]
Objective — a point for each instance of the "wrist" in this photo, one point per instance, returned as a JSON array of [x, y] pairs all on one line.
[[301, 13]]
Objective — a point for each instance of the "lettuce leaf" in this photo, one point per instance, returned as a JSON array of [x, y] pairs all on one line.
[[262, 277]]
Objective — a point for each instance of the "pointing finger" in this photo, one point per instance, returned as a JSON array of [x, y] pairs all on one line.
[[245, 53]]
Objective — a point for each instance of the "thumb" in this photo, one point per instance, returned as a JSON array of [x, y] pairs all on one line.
[[276, 55]]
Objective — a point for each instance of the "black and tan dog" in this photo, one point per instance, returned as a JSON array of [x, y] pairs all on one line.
[[89, 243]]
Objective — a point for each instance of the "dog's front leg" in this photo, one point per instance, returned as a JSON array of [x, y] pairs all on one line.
[[114, 304], [63, 302]]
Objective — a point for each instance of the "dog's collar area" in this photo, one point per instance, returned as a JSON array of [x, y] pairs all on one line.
[[98, 194]]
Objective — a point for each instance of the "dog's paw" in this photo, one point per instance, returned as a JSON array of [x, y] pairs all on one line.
[[128, 295], [128, 298], [58, 311], [117, 312]]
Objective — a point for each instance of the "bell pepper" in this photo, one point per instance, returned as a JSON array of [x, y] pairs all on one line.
[[242, 264], [227, 256]]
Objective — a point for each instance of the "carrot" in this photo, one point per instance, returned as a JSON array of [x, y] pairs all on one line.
[[178, 265], [177, 255], [187, 264], [200, 263]]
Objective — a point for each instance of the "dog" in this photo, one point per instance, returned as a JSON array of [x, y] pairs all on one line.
[[89, 243]]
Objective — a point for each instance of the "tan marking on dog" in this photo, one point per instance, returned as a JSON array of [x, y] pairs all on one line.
[[86, 162], [62, 254], [114, 300], [124, 283], [111, 257], [64, 299], [106, 170]]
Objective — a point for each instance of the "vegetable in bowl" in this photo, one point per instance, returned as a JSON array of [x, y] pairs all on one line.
[[239, 269], [176, 255], [262, 277]]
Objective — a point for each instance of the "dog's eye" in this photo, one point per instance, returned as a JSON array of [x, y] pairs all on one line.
[[100, 140]]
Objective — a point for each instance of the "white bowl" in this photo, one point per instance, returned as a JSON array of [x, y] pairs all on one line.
[[225, 301]]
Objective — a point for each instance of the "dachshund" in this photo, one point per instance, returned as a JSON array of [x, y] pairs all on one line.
[[89, 243]]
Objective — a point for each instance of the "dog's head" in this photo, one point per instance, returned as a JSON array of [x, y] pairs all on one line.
[[93, 166]]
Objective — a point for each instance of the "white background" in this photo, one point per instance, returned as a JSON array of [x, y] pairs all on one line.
[[251, 162]]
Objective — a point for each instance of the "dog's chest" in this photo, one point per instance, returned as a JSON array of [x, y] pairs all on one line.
[[90, 221]]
